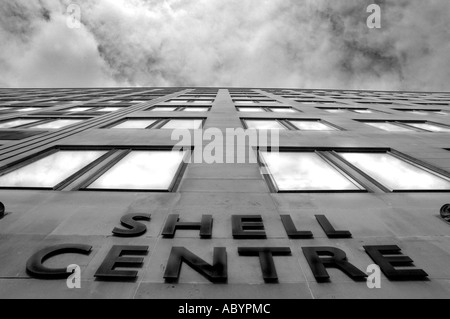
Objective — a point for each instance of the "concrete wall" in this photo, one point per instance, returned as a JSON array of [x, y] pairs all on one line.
[[37, 219]]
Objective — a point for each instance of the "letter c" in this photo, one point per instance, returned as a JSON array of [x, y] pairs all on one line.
[[36, 269]]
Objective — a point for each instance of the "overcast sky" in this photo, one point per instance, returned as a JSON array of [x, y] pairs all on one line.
[[258, 43]]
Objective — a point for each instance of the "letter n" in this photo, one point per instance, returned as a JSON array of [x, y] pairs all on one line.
[[215, 273]]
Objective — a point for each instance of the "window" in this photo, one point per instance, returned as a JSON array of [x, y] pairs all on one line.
[[284, 124], [142, 170], [50, 170], [135, 124], [335, 111], [424, 112], [92, 108], [79, 109], [312, 102], [311, 126], [137, 101], [192, 101], [430, 127], [163, 109], [419, 112], [29, 109], [305, 171], [345, 110], [395, 173], [196, 109], [179, 109], [251, 109], [245, 102], [202, 101], [283, 110], [409, 126], [98, 169], [162, 123], [183, 124], [390, 127], [267, 109], [342, 170], [56, 124], [108, 109], [264, 125], [363, 111], [16, 123]]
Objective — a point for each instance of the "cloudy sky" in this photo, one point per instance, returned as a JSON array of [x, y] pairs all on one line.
[[257, 43]]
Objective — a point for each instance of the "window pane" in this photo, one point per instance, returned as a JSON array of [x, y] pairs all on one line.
[[251, 109], [430, 127], [264, 125], [418, 112], [131, 124], [312, 126], [51, 170], [29, 109], [245, 102], [282, 110], [16, 123], [202, 101], [390, 127], [196, 109], [295, 171], [57, 124], [363, 111], [109, 109], [137, 101], [79, 109], [142, 170], [337, 111], [163, 109], [183, 124], [395, 173]]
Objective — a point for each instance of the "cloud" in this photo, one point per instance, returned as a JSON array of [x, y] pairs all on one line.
[[259, 43]]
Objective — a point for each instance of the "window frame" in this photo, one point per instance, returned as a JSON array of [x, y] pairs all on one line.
[[247, 102], [267, 109], [272, 184], [350, 171], [178, 108], [190, 101], [285, 122], [80, 180], [432, 111], [404, 124], [160, 122], [402, 157], [352, 110], [39, 121]]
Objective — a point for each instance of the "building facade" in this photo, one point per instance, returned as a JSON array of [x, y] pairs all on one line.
[[92, 178]]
